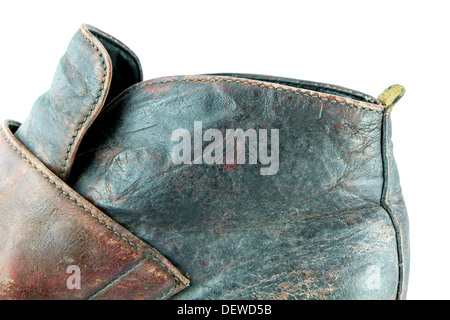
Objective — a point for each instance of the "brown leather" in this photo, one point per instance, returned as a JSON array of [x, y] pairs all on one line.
[[45, 227]]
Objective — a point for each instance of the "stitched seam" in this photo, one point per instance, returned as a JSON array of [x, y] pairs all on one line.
[[127, 53], [294, 82], [61, 190], [263, 86], [81, 124], [387, 206]]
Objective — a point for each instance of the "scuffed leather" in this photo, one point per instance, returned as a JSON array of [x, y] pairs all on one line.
[[45, 227], [331, 224], [314, 230]]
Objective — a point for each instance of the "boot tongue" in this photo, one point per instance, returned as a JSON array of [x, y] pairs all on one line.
[[83, 84]]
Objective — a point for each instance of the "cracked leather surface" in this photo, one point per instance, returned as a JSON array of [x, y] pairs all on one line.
[[314, 230], [330, 224], [46, 227]]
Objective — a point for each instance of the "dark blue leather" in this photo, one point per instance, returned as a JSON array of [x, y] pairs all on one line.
[[318, 229]]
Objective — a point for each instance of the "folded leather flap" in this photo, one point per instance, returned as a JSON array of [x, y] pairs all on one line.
[[47, 230], [82, 85]]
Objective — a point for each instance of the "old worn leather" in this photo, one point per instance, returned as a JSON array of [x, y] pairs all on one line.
[[330, 224], [47, 227]]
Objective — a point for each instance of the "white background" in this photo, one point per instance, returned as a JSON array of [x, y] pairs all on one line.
[[362, 45]]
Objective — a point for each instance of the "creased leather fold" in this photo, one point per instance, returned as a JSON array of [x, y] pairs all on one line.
[[45, 227], [79, 91]]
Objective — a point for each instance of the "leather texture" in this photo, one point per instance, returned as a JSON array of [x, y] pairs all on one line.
[[81, 86], [47, 227], [330, 224]]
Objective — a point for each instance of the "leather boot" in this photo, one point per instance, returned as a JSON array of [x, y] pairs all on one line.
[[219, 186]]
